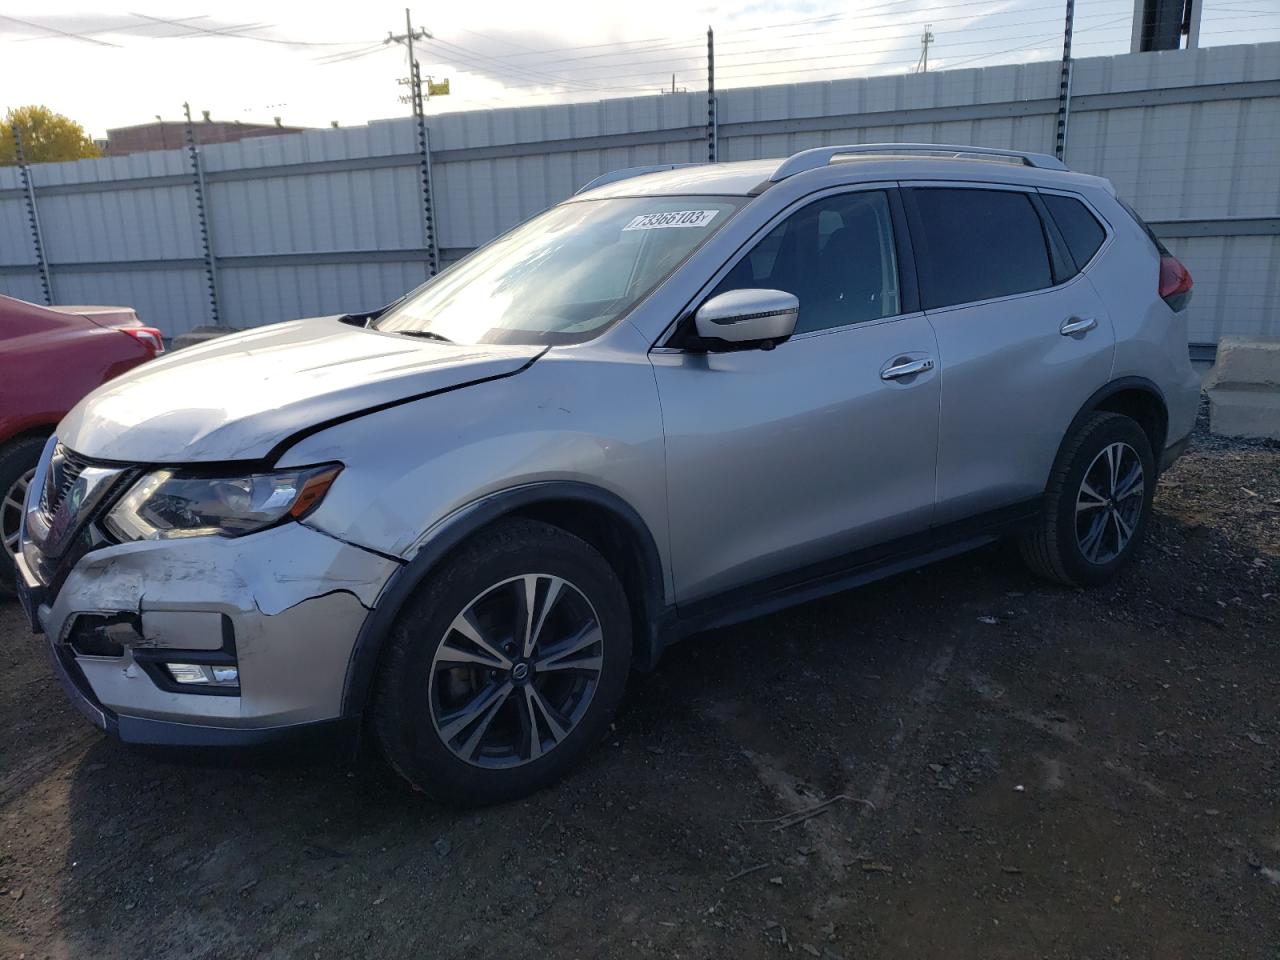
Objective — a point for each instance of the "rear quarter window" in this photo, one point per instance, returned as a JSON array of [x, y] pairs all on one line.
[[1078, 226], [1151, 234]]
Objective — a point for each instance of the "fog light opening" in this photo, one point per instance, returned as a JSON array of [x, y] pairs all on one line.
[[103, 635], [187, 673], [204, 675]]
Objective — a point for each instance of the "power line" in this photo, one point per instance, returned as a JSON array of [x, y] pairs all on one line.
[[857, 42], [736, 70], [682, 43], [332, 58], [605, 74], [232, 33], [1034, 43], [663, 64], [483, 59], [121, 29], [843, 56], [65, 33]]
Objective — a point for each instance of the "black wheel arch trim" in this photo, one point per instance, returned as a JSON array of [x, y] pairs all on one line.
[[465, 522], [1104, 393]]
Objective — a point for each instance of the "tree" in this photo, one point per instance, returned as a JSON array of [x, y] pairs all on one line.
[[46, 137]]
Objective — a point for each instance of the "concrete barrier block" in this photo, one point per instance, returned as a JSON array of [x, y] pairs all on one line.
[[1244, 388]]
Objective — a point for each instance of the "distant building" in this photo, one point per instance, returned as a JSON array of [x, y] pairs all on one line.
[[171, 134]]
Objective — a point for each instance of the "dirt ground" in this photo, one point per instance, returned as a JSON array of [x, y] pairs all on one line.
[[1014, 770]]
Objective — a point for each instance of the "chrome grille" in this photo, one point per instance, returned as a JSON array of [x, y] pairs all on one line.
[[72, 488], [65, 469]]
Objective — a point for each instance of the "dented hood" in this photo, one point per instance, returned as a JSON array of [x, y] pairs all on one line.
[[240, 396]]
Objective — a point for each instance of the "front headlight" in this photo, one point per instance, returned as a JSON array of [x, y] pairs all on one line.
[[168, 504]]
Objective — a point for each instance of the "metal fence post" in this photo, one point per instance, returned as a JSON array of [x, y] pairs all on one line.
[[712, 127], [1064, 84], [33, 216], [428, 195], [202, 217]]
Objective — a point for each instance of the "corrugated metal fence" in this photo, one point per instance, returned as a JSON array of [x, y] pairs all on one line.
[[331, 220]]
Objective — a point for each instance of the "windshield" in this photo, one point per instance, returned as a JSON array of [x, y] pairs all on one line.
[[563, 276]]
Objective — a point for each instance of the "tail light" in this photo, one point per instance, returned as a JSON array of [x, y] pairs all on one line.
[[153, 339], [1175, 282]]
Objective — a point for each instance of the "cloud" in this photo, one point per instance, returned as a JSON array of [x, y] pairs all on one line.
[[314, 62]]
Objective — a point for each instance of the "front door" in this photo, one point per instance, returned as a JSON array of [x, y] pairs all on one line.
[[782, 459]]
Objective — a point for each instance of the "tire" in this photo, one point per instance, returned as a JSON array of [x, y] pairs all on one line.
[[433, 675], [17, 460], [1080, 538]]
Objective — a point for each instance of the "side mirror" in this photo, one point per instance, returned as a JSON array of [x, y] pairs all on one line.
[[748, 317]]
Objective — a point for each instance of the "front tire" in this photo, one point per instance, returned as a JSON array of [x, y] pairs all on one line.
[[1097, 503], [505, 667]]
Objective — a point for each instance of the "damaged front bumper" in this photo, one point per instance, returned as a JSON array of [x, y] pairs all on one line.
[[282, 607]]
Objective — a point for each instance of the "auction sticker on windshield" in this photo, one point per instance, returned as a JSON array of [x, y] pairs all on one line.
[[674, 218]]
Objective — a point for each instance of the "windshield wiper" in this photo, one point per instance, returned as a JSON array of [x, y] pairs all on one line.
[[425, 335]]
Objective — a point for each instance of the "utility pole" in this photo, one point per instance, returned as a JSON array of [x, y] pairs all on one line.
[[414, 82], [712, 132], [1064, 84], [33, 215], [202, 218], [674, 89], [926, 38]]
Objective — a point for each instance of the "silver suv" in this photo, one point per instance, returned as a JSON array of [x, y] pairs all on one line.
[[682, 398]]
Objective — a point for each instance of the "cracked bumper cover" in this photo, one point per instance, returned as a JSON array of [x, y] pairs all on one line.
[[293, 598]]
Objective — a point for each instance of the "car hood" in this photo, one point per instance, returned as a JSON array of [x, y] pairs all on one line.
[[239, 397]]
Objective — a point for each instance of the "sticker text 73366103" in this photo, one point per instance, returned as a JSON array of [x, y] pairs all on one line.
[[673, 218]]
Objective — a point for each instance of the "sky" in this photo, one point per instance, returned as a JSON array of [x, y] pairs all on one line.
[[108, 65]]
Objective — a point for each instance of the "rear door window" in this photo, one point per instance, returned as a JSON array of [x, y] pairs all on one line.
[[974, 244], [1079, 228]]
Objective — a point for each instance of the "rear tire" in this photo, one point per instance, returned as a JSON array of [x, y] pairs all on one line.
[[18, 461], [505, 667], [1097, 503]]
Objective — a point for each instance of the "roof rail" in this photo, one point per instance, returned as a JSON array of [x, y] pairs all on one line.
[[821, 156], [626, 173]]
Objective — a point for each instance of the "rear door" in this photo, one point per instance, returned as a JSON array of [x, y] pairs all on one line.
[[779, 460], [1023, 340]]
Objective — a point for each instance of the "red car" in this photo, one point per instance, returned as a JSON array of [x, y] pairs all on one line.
[[50, 357]]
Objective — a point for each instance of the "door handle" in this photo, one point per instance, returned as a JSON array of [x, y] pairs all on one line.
[[1074, 325], [907, 369]]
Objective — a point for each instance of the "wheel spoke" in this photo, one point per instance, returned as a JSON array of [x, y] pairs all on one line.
[[529, 731], [466, 625], [557, 729], [1094, 500], [468, 749], [589, 664], [535, 615], [1092, 542], [1113, 465], [457, 655], [1123, 529], [482, 708], [1130, 484], [555, 660]]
